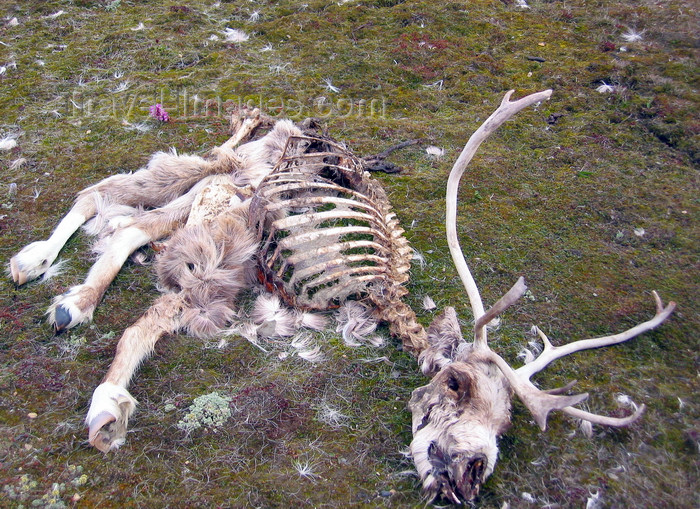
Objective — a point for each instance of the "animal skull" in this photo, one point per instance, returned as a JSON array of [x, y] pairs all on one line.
[[458, 416]]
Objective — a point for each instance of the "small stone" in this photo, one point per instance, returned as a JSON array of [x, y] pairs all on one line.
[[32, 415]]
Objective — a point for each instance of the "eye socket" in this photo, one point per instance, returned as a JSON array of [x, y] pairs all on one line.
[[190, 266], [459, 385]]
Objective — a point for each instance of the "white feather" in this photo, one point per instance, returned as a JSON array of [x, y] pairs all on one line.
[[428, 303], [437, 152], [8, 142], [236, 36], [632, 35]]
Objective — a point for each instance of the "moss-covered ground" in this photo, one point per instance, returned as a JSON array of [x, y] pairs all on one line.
[[592, 196]]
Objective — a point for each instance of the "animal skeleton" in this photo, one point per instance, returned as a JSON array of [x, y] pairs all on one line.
[[327, 233], [299, 212]]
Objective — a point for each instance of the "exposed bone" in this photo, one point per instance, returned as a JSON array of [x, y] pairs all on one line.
[[506, 110], [552, 353], [327, 232], [538, 402]]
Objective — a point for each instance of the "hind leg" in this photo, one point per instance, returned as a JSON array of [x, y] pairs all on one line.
[[111, 404]]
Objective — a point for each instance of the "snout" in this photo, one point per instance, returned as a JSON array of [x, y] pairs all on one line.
[[468, 476], [459, 477]]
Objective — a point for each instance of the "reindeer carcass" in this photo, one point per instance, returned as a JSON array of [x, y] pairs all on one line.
[[294, 209], [298, 212]]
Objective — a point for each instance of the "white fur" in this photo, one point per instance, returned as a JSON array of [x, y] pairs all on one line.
[[80, 301], [36, 258]]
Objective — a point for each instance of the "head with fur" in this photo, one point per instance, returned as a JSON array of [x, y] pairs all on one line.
[[458, 416]]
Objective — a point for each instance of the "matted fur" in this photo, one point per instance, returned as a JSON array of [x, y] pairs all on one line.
[[209, 264], [200, 206]]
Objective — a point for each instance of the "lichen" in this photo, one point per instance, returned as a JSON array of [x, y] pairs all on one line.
[[209, 411]]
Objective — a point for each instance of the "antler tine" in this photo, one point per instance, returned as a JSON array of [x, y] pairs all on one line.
[[540, 403], [506, 110], [604, 420], [516, 291], [551, 353]]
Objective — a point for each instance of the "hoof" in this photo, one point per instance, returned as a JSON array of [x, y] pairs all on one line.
[[108, 416], [62, 319], [72, 308], [18, 276], [101, 432], [31, 262]]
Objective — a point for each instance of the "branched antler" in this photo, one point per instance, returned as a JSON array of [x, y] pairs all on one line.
[[539, 402]]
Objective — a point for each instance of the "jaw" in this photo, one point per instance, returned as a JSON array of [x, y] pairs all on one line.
[[461, 480], [453, 466]]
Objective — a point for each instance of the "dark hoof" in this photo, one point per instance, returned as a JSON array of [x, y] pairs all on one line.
[[62, 318]]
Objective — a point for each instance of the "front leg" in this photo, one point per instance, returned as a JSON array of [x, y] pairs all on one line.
[[112, 405], [77, 304], [36, 258], [108, 417]]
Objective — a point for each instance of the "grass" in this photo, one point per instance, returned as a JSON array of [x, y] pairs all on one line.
[[556, 195]]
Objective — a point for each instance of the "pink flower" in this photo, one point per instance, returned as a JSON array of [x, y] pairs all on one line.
[[157, 111]]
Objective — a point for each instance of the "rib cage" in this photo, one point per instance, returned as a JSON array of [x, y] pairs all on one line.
[[327, 234]]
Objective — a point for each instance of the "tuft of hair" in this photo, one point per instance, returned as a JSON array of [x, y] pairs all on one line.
[[260, 156], [272, 318], [357, 324], [305, 469], [55, 270], [312, 354], [417, 256], [8, 142], [331, 416], [18, 163], [631, 35], [206, 322], [108, 216], [209, 264], [445, 340], [526, 355], [265, 308], [313, 321]]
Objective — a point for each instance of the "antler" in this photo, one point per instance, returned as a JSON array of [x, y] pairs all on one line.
[[539, 402], [506, 110]]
